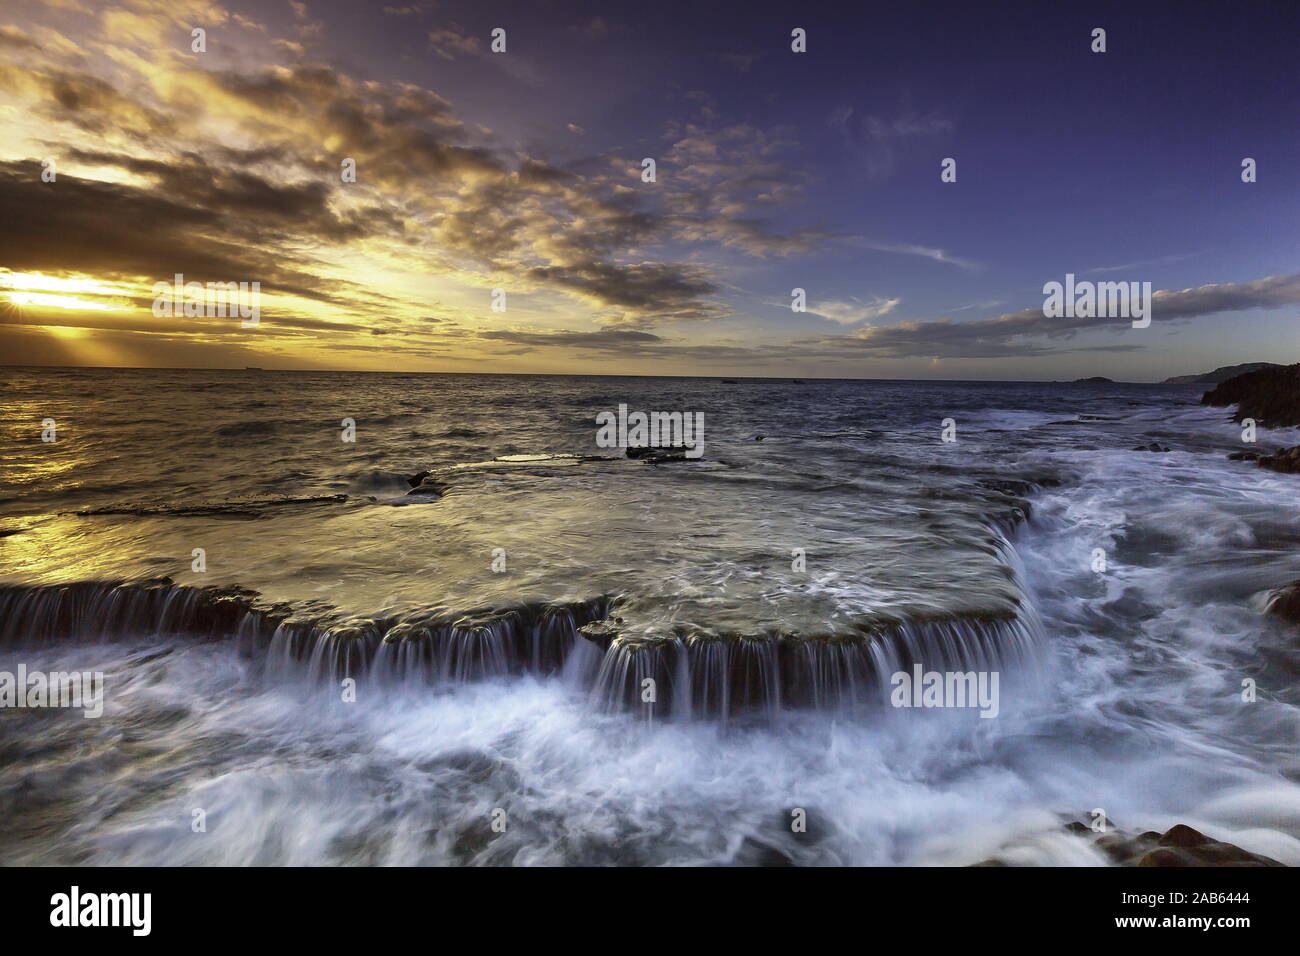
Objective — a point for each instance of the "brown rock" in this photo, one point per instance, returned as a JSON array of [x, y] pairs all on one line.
[[1287, 461], [1182, 835], [1180, 845]]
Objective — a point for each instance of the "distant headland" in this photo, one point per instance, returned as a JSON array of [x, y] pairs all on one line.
[[1221, 374]]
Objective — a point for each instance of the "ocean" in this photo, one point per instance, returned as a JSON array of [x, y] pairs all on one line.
[[554, 653]]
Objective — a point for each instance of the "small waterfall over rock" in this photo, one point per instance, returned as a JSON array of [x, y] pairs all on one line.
[[695, 675], [711, 677]]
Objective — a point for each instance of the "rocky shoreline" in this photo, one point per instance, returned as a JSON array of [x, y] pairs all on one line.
[[1270, 396]]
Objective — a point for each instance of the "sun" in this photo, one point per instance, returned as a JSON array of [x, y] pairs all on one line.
[[78, 292]]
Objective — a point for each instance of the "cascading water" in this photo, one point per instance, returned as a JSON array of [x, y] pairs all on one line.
[[695, 677]]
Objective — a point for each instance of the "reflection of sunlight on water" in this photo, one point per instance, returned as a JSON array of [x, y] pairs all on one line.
[[62, 548], [27, 459]]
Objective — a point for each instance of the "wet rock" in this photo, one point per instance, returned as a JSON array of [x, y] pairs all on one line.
[[428, 488], [1182, 835], [792, 833], [754, 852], [654, 454], [1180, 845], [601, 633], [811, 824], [1244, 456], [1271, 396], [475, 766], [1285, 603], [1286, 461], [1152, 446]]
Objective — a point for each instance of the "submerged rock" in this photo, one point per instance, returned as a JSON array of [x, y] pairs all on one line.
[[1271, 396], [654, 454], [427, 487], [1152, 446]]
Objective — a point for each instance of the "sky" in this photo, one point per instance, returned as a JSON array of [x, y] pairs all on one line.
[[774, 170]]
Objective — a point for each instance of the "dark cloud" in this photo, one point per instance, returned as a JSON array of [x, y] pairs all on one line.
[[117, 231], [604, 339], [248, 203], [87, 102], [11, 36], [657, 290], [1022, 333]]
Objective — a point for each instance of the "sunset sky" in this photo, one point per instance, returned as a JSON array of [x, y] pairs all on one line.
[[775, 170]]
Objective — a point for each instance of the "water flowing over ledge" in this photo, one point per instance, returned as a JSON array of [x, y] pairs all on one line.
[[721, 677], [695, 674]]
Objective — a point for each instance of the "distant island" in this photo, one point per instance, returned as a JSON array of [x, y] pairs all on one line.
[[1221, 374], [1095, 380]]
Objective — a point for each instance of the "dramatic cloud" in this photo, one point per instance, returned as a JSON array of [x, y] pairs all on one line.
[[427, 187], [472, 176]]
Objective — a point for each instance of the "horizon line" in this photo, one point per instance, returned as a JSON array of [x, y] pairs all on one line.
[[768, 378]]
